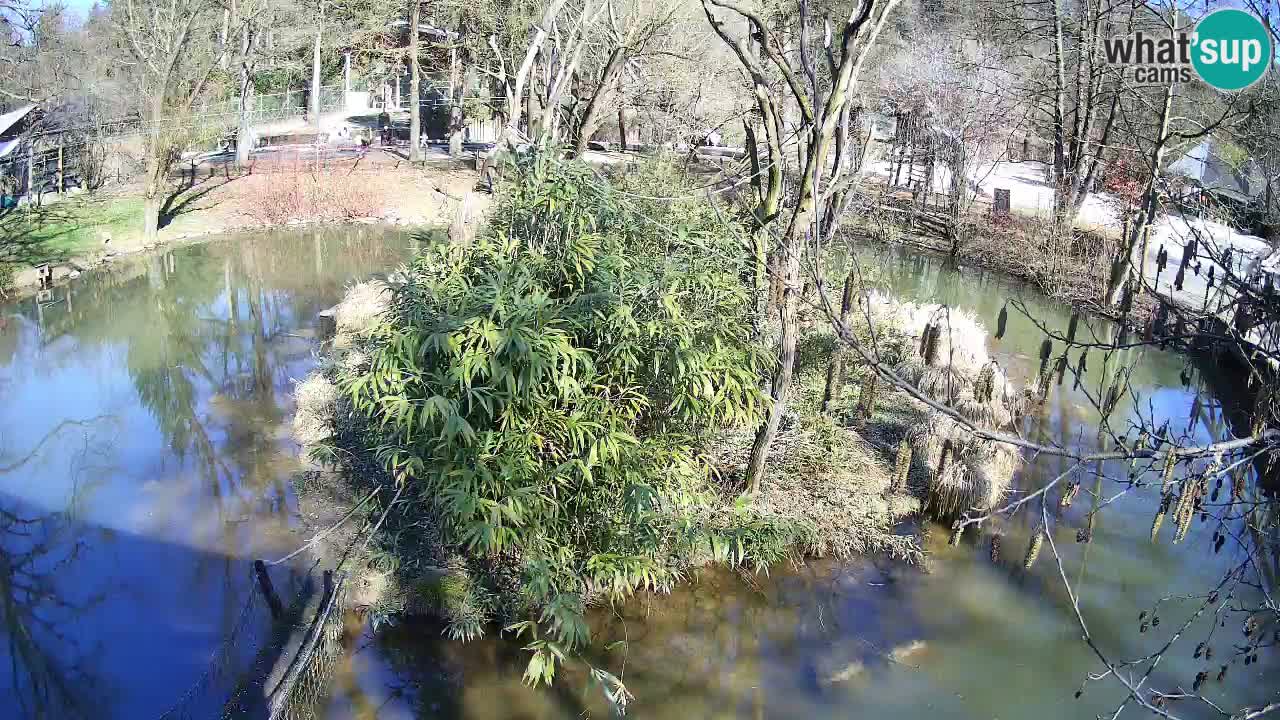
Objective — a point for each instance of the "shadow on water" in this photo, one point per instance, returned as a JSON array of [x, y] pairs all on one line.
[[973, 638], [145, 462]]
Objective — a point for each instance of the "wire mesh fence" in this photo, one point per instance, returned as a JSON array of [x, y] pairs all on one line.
[[304, 687], [261, 669], [228, 666]]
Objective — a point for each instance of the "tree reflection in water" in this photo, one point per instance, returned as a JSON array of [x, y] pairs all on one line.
[[188, 357], [52, 673]]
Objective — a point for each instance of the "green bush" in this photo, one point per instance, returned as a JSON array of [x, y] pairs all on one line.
[[548, 389]]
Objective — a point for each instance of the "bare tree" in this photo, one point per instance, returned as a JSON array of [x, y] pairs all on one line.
[[174, 64], [512, 79], [415, 83], [313, 110], [632, 30], [821, 104]]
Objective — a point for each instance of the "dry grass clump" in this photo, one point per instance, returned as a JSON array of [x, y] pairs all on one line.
[[945, 383], [961, 337], [317, 403], [354, 361], [832, 479], [360, 311], [990, 414], [961, 472]]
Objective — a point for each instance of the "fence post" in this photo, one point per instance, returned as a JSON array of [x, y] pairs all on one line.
[[264, 582], [61, 174], [31, 172]]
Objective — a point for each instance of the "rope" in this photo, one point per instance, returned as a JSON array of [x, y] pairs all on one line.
[[324, 533], [693, 193]]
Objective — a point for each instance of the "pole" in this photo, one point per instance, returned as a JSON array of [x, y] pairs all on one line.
[[268, 590], [315, 71], [31, 173], [61, 174]]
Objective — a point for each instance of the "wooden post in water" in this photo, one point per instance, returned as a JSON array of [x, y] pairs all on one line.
[[264, 582]]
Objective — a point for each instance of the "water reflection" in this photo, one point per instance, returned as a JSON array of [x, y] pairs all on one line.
[[974, 638], [144, 461]]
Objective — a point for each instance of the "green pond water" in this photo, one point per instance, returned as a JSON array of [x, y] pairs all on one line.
[[145, 462], [876, 639]]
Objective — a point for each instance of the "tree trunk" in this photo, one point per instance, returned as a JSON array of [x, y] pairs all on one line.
[[855, 44], [532, 113], [457, 94], [1061, 173], [786, 370], [515, 90], [156, 171], [759, 240], [222, 38], [415, 85], [591, 115], [1122, 265], [244, 136], [315, 71], [835, 371], [622, 127]]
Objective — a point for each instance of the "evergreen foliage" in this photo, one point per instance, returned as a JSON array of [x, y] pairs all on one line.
[[548, 390]]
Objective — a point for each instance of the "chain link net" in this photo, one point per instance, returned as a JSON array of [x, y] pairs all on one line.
[[228, 664], [304, 688], [232, 685]]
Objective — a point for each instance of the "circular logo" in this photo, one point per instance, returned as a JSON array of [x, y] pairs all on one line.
[[1231, 49]]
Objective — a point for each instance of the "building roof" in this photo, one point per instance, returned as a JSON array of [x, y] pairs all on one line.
[[14, 117], [1205, 167]]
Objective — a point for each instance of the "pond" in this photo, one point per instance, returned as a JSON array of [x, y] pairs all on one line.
[[968, 639], [145, 461]]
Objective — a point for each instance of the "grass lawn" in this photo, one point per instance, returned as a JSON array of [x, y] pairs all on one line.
[[63, 230]]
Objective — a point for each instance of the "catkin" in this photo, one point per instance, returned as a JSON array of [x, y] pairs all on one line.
[[1069, 495], [867, 398], [985, 386], [1170, 461], [1139, 444], [1186, 509], [931, 348], [902, 466], [1158, 521], [1033, 548]]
